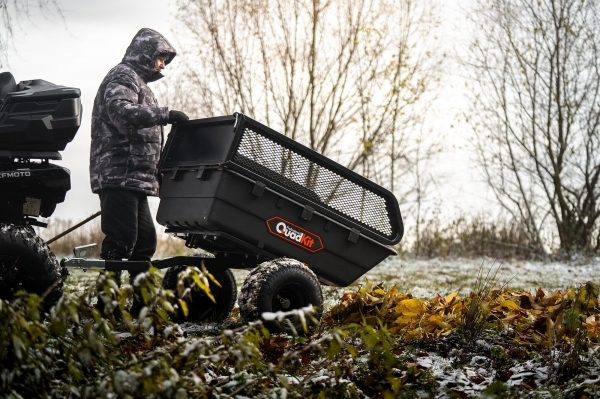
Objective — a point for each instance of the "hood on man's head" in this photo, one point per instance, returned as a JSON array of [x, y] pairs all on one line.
[[146, 45]]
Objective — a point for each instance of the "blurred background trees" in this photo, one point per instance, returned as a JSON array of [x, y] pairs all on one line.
[[535, 75], [351, 80], [12, 12]]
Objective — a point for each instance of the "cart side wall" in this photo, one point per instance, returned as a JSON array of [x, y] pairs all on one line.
[[229, 202], [260, 153]]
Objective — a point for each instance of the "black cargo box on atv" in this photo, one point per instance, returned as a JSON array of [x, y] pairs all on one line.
[[234, 186], [37, 120], [36, 115]]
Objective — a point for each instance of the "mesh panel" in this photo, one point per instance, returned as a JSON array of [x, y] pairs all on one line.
[[315, 182]]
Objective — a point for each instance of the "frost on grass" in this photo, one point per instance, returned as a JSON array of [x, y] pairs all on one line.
[[376, 341], [427, 278]]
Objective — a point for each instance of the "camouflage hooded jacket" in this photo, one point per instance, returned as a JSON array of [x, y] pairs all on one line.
[[127, 123]]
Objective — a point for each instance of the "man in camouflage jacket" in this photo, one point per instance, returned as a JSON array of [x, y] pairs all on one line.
[[127, 137]]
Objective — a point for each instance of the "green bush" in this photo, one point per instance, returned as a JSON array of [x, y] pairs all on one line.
[[75, 351], [357, 351]]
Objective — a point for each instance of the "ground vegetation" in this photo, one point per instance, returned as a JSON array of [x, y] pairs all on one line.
[[375, 341]]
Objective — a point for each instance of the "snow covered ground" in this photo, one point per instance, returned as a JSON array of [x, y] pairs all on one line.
[[427, 278]]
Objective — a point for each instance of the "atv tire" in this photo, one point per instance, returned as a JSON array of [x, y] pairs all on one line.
[[201, 307], [280, 285], [26, 263]]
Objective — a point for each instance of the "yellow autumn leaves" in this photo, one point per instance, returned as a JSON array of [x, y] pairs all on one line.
[[538, 319]]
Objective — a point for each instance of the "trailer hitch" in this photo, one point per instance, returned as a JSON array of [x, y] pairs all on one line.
[[79, 261], [80, 251]]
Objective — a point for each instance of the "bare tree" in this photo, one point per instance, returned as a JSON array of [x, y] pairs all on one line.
[[536, 103], [349, 79], [12, 12]]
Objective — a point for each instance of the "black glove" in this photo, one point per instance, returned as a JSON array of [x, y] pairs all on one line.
[[177, 116]]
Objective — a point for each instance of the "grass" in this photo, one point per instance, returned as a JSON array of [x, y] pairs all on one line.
[[487, 348], [474, 319], [374, 341], [472, 237]]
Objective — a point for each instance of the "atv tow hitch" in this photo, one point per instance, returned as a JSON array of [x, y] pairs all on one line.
[[79, 261]]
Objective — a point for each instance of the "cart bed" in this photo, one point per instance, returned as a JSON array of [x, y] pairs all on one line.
[[233, 186]]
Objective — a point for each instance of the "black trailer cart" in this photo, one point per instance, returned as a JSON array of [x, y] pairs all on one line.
[[255, 199], [251, 198], [236, 188]]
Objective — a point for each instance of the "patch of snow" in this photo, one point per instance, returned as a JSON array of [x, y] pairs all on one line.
[[528, 371], [139, 278], [469, 380], [479, 361], [123, 335], [200, 328], [483, 344], [428, 278]]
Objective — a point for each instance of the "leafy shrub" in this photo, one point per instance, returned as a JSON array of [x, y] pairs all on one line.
[[367, 345], [75, 351]]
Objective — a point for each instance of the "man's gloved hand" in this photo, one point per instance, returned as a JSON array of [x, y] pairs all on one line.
[[177, 116]]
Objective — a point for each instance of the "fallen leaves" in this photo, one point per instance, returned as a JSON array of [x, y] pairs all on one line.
[[538, 319]]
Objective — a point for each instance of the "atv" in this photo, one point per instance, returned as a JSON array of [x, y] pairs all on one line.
[[37, 120], [246, 195]]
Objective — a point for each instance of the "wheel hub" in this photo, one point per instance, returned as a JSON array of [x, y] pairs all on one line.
[[290, 296], [284, 302]]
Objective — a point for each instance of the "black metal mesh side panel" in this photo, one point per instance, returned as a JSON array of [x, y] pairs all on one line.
[[315, 182]]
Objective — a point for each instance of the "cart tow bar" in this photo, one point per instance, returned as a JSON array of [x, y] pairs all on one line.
[[79, 261]]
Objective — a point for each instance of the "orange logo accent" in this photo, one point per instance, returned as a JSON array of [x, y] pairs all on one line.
[[294, 234]]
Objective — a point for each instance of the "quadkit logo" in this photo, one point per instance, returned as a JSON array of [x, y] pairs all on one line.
[[294, 234]]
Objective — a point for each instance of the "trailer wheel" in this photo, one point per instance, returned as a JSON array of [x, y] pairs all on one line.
[[200, 307], [26, 263], [280, 285]]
